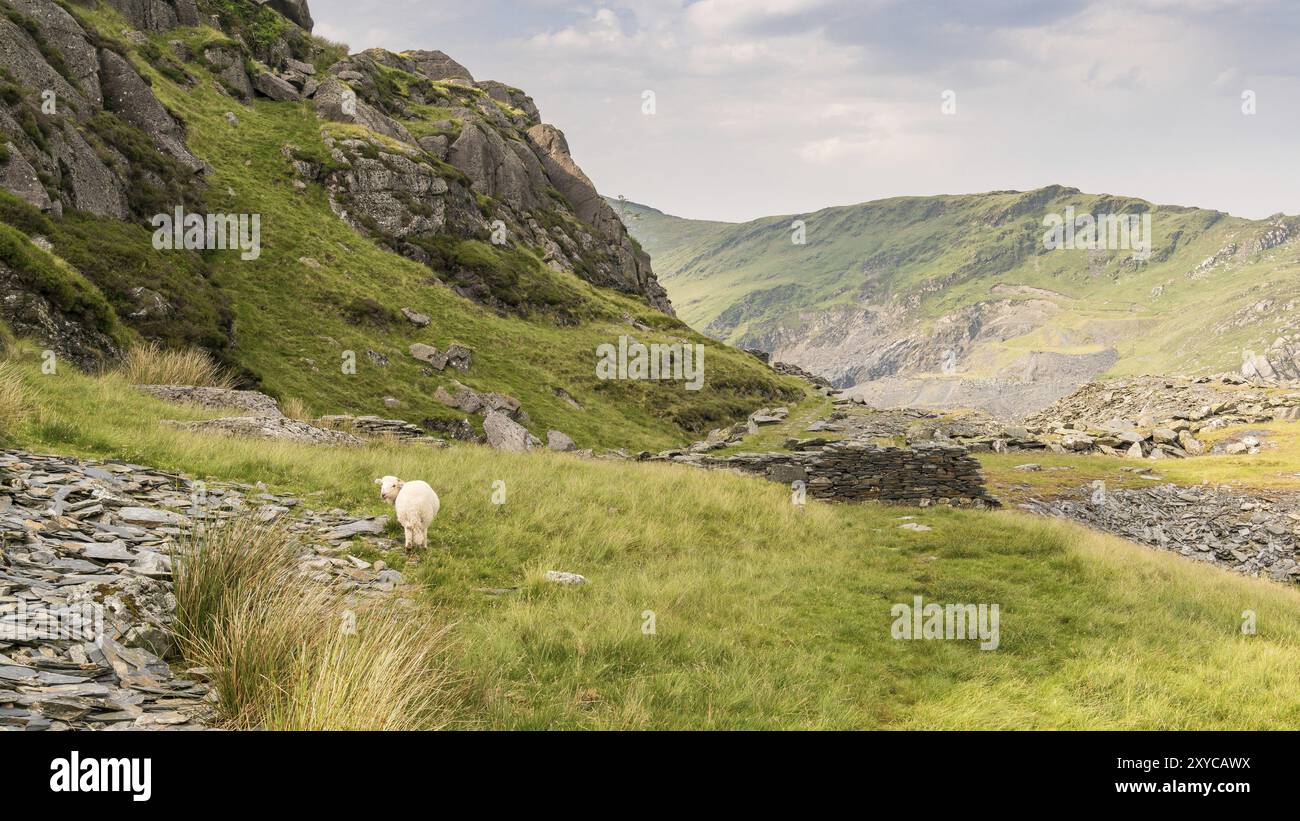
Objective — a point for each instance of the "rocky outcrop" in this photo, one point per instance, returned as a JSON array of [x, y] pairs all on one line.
[[295, 10], [72, 338], [629, 270], [267, 427], [127, 95], [437, 66], [1279, 363], [75, 158], [489, 171], [256, 404]]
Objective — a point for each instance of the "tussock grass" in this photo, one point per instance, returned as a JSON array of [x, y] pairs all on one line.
[[151, 364], [278, 649], [295, 408], [15, 400]]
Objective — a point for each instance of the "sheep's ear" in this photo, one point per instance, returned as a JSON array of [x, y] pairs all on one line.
[[379, 481]]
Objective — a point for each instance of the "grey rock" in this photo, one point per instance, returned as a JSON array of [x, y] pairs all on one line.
[[564, 578], [503, 433], [277, 88], [556, 440]]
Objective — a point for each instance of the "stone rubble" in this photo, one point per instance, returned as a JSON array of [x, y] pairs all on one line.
[[1248, 534], [85, 586]]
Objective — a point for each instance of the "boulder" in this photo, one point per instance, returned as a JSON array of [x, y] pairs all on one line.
[[438, 66], [503, 433], [295, 10], [428, 353], [277, 88], [564, 578], [417, 319], [556, 440]]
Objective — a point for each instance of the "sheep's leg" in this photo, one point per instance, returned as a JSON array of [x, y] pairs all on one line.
[[406, 529]]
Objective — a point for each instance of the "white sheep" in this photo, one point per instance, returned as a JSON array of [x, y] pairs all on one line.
[[416, 505]]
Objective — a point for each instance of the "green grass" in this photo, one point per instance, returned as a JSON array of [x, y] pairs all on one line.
[[63, 286], [766, 615]]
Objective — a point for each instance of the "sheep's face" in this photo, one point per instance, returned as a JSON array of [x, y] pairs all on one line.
[[389, 486]]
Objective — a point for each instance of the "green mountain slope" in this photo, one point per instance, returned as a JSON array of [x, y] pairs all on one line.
[[902, 287], [326, 292]]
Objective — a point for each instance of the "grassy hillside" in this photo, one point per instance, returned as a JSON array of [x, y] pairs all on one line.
[[919, 259], [765, 615], [321, 295]]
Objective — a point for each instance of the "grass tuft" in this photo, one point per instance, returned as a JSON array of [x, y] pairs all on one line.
[[288, 654], [15, 400], [295, 408], [151, 364]]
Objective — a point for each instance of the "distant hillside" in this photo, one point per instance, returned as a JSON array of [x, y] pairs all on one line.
[[953, 300]]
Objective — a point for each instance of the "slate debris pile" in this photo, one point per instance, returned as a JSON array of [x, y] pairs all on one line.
[[86, 602]]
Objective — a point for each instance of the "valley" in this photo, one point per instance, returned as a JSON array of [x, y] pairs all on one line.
[[685, 470], [955, 302]]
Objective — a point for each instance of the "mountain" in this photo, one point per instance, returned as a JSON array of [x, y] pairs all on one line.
[[398, 201], [955, 301]]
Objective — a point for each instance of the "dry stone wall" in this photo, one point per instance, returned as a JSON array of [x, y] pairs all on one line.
[[923, 475]]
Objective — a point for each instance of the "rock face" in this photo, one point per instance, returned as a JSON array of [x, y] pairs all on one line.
[[631, 268], [158, 15], [506, 167], [295, 10], [1251, 535], [78, 159]]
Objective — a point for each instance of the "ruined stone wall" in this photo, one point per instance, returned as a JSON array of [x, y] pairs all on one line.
[[856, 472]]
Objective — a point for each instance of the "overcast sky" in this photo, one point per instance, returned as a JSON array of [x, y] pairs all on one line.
[[786, 106]]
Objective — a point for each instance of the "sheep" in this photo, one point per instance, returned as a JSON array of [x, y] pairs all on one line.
[[416, 505]]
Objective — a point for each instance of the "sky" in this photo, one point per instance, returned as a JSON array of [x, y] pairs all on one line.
[[765, 107]]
